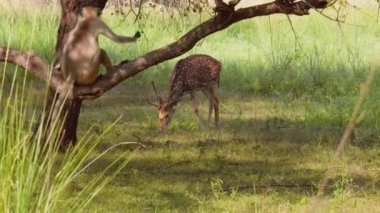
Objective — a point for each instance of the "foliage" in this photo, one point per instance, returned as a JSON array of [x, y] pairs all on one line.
[[34, 175]]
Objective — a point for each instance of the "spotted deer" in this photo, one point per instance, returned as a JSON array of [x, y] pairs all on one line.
[[191, 74]]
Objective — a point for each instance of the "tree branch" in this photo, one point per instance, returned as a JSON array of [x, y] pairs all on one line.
[[188, 41], [32, 63], [128, 69]]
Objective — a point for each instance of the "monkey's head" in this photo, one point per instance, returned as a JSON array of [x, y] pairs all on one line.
[[89, 13]]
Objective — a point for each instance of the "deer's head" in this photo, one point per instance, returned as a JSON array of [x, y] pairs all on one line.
[[164, 108]]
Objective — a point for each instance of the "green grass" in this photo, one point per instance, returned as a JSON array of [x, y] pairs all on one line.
[[34, 175], [284, 105], [262, 141]]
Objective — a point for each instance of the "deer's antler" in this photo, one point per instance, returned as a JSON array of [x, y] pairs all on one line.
[[151, 103], [159, 99]]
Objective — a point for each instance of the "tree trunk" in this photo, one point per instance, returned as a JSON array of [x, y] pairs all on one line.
[[71, 110]]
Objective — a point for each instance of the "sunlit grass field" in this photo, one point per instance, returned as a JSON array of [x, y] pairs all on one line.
[[286, 97]]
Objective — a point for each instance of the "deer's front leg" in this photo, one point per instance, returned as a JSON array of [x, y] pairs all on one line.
[[206, 92], [215, 97], [195, 106]]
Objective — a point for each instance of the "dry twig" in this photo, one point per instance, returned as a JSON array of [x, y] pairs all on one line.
[[354, 119]]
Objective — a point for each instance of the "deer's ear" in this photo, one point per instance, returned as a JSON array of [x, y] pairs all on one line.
[[164, 106]]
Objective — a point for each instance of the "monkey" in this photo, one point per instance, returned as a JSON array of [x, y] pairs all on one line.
[[82, 56]]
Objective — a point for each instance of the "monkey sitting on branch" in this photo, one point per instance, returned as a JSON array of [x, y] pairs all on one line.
[[82, 56]]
